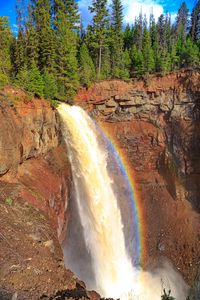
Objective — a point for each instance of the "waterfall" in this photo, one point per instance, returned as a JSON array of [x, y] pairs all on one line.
[[95, 247]]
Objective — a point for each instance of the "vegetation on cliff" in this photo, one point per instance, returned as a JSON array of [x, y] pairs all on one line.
[[52, 49]]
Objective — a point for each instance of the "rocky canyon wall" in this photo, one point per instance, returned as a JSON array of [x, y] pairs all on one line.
[[156, 123], [35, 189], [33, 162]]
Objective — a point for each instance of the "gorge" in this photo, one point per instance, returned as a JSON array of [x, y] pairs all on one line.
[[155, 124]]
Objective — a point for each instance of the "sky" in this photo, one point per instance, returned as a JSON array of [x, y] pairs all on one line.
[[132, 9]]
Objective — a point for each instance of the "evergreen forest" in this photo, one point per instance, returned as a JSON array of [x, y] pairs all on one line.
[[52, 54]]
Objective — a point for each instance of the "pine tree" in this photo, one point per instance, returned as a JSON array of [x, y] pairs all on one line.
[[66, 53], [163, 62], [35, 83], [30, 79], [32, 40], [182, 22], [195, 22], [19, 48], [41, 11], [19, 52], [153, 31], [168, 32], [50, 85], [117, 16], [87, 69], [147, 53], [49, 32], [98, 31], [137, 62], [165, 41], [138, 32], [161, 32], [70, 10], [22, 78], [128, 37], [106, 72], [190, 54], [174, 57], [125, 73], [5, 50], [117, 57]]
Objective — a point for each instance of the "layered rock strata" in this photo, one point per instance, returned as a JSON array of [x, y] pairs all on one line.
[[32, 155], [156, 124]]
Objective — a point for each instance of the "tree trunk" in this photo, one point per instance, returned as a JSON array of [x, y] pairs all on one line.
[[99, 68]]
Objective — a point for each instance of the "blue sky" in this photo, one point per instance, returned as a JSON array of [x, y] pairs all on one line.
[[131, 8]]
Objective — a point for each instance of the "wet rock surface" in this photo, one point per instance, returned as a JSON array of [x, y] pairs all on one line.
[[79, 292]]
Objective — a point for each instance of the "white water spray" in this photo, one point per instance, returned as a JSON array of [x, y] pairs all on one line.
[[100, 217]]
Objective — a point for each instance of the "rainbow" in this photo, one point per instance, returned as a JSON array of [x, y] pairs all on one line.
[[136, 201]]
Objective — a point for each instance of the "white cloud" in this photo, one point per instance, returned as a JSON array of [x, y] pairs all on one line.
[[15, 28], [173, 17], [132, 9]]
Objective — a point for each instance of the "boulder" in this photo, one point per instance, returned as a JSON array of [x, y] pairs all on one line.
[[111, 103]]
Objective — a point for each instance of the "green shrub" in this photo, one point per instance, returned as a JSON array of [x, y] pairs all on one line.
[[54, 103], [167, 296], [50, 85], [31, 80], [3, 80], [87, 68], [9, 201], [35, 82], [22, 78]]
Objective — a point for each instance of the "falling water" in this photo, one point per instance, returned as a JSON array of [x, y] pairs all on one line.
[[97, 219]]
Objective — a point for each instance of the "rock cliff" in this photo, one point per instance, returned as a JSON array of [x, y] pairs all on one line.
[[156, 123], [31, 153], [35, 181]]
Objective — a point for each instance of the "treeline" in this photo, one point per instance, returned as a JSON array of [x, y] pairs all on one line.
[[53, 54]]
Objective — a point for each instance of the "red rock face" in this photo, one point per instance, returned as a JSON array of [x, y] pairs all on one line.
[[45, 183], [35, 176], [180, 81], [170, 220], [156, 124], [31, 155], [28, 129]]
